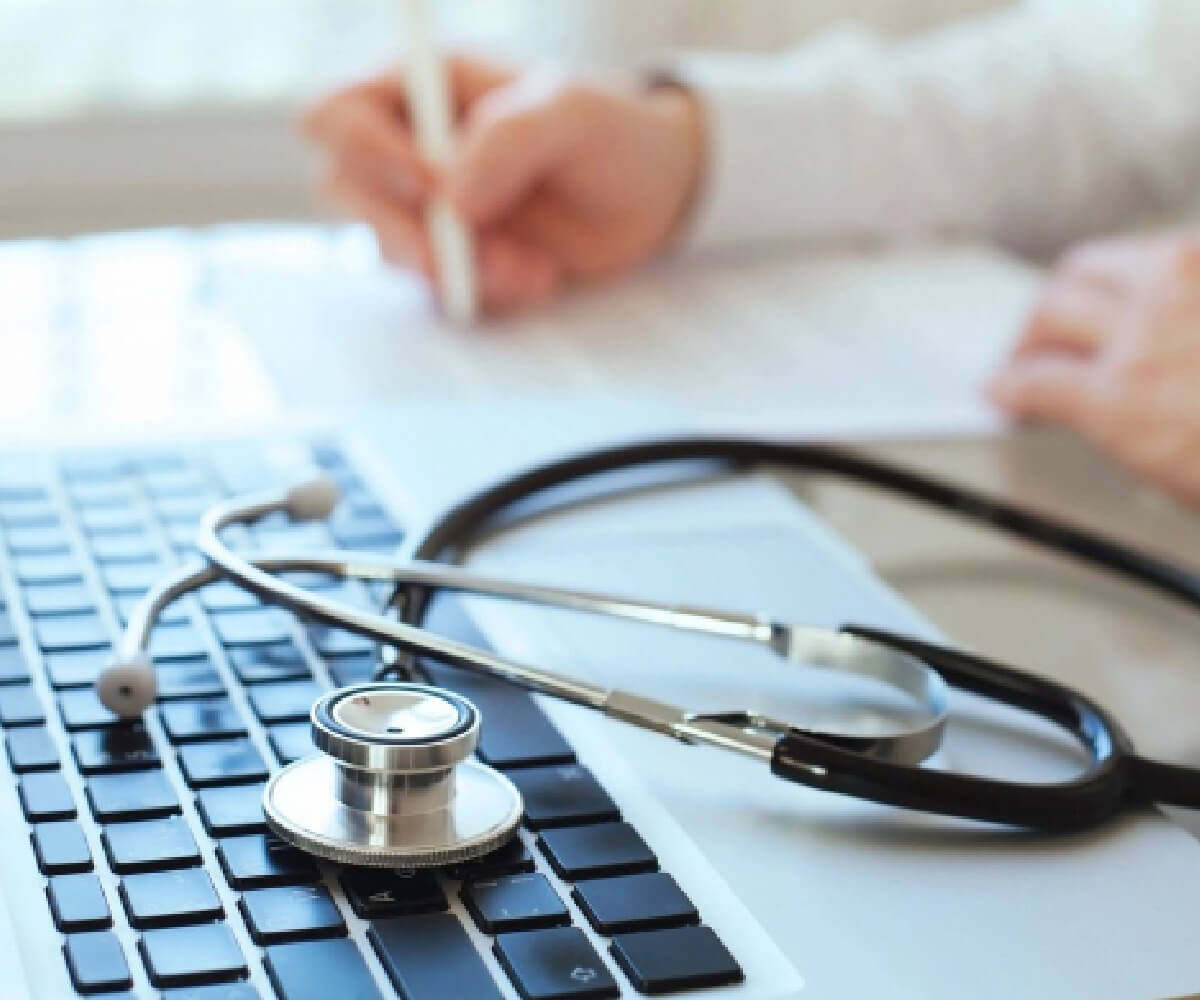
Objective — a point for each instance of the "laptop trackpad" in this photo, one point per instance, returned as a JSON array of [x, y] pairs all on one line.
[[808, 862]]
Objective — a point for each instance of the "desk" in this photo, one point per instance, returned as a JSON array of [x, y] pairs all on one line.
[[174, 326]]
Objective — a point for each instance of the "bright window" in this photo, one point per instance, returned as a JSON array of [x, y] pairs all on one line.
[[65, 58], [61, 58]]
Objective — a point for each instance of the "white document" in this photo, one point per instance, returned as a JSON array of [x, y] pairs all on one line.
[[870, 344], [136, 326]]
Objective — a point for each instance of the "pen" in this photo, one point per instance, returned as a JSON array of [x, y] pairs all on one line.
[[431, 109]]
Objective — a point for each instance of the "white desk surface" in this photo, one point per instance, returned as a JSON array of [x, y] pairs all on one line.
[[241, 324]]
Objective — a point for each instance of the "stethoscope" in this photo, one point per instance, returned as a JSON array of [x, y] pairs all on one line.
[[395, 784]]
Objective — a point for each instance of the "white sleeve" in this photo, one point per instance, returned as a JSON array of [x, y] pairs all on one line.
[[1045, 122]]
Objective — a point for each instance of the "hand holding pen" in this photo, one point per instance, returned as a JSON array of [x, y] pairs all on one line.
[[559, 181]]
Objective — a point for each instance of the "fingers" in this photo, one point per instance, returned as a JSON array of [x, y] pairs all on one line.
[[368, 123], [399, 230], [360, 129], [1072, 316], [1052, 388], [512, 139], [514, 275], [471, 78]]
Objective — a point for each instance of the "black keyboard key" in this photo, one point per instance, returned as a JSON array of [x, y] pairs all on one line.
[[515, 731], [8, 633], [79, 668], [259, 861], [231, 810], [45, 795], [27, 513], [555, 964], [223, 762], [81, 709], [350, 670], [47, 569], [675, 959], [383, 892], [511, 859], [150, 845], [328, 456], [177, 481], [209, 719], [58, 599], [170, 899], [125, 547], [104, 493], [22, 492], [318, 970], [634, 903], [131, 578], [109, 751], [279, 661], [596, 851], [177, 642], [66, 632], [256, 627], [292, 537], [192, 956], [137, 795], [110, 520], [155, 462], [225, 991], [13, 668], [20, 706], [184, 510], [188, 679], [292, 741], [96, 962], [329, 641], [77, 903], [291, 913], [432, 957], [30, 748], [566, 795], [94, 469], [366, 531], [61, 848], [37, 540], [287, 702], [226, 596], [514, 903], [175, 613], [330, 584]]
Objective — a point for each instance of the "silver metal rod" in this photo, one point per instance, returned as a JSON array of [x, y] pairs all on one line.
[[743, 732]]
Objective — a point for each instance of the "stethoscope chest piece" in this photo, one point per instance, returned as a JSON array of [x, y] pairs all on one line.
[[394, 787]]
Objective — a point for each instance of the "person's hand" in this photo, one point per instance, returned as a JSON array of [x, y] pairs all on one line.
[[1112, 350], [561, 180]]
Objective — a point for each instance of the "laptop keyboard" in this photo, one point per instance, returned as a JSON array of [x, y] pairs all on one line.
[[158, 866]]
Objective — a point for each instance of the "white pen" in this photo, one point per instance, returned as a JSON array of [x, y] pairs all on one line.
[[432, 111]]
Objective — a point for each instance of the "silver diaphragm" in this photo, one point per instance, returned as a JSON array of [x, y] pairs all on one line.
[[393, 787]]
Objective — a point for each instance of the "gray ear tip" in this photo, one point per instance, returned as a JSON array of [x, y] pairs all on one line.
[[128, 687], [313, 500]]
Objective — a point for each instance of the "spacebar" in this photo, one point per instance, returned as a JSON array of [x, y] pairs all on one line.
[[430, 957]]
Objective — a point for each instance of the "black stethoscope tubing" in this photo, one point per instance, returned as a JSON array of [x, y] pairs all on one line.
[[1118, 779]]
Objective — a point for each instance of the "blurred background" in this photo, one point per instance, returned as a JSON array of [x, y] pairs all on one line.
[[124, 113]]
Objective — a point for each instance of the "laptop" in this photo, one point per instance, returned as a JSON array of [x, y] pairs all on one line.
[[134, 860]]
